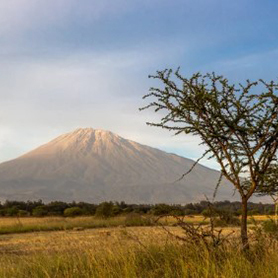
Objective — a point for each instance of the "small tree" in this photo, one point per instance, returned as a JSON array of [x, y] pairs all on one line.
[[238, 127]]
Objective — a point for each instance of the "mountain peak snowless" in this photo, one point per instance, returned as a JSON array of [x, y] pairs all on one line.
[[96, 165], [82, 140]]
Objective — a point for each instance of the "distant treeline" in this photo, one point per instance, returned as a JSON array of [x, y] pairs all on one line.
[[109, 209]]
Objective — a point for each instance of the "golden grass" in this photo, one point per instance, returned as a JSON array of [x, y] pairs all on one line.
[[45, 221], [126, 252], [129, 252], [77, 221], [32, 224]]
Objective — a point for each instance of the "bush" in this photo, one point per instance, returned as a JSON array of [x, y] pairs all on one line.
[[224, 223], [209, 212], [253, 212], [105, 209], [228, 218], [269, 226], [161, 209], [177, 212], [74, 211], [40, 211], [136, 219], [22, 213], [221, 217], [56, 208], [13, 211], [189, 211], [116, 210]]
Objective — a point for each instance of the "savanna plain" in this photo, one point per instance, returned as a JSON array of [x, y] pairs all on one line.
[[132, 246]]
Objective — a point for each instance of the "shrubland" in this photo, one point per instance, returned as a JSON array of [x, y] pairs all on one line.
[[111, 209]]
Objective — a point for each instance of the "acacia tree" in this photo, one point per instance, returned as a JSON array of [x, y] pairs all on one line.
[[237, 125]]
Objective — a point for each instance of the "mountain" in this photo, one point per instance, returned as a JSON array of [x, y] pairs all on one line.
[[95, 165]]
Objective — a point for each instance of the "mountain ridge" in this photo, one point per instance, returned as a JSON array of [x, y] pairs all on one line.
[[97, 165]]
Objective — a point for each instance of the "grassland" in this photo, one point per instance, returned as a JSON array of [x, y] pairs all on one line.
[[30, 224], [9, 225], [122, 251]]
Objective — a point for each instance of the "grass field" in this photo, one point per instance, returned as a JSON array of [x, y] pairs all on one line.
[[35, 224], [32, 224], [124, 251]]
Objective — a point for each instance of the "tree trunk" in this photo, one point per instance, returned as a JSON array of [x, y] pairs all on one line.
[[244, 235]]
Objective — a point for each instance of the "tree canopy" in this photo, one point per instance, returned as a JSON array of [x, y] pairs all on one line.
[[237, 125]]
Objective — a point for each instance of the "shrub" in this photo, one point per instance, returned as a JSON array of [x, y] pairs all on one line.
[[105, 209], [22, 213], [189, 211], [13, 211], [269, 226], [74, 211], [209, 212], [221, 217], [161, 209], [177, 212], [40, 211], [227, 218], [56, 208], [136, 219], [253, 212], [116, 210]]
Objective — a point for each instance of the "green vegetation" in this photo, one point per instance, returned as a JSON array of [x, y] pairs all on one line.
[[73, 211], [111, 209], [270, 226]]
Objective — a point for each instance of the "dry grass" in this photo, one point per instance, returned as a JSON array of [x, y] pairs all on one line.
[[32, 224], [126, 252], [78, 221]]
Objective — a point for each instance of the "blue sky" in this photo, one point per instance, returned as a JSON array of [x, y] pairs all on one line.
[[67, 64]]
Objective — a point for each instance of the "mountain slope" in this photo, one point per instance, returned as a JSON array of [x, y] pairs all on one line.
[[96, 165]]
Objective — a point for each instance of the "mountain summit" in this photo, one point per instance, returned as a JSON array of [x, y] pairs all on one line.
[[96, 165]]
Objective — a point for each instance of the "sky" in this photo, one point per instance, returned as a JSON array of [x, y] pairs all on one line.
[[67, 64]]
